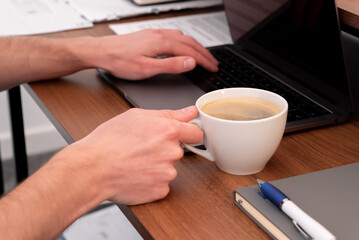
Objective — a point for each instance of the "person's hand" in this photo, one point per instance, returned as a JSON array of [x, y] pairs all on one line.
[[128, 159], [132, 56], [134, 153], [135, 56]]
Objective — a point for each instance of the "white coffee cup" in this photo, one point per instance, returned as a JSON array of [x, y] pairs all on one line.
[[240, 147]]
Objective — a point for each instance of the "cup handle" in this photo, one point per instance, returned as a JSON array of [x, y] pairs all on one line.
[[204, 153]]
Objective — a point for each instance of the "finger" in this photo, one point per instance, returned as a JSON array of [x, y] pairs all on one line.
[[175, 65], [182, 115], [190, 41], [198, 57], [200, 54], [177, 35], [202, 57], [189, 133], [170, 65], [185, 132], [174, 43]]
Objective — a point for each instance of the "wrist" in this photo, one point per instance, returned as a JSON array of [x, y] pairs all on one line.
[[76, 171], [81, 52], [64, 189], [100, 52], [89, 51]]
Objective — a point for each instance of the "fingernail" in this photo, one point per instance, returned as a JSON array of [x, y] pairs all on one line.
[[187, 109], [189, 63]]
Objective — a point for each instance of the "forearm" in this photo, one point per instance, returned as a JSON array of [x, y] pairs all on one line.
[[51, 199], [25, 59], [122, 160], [130, 56]]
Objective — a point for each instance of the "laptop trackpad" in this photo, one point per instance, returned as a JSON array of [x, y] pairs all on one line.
[[165, 91]]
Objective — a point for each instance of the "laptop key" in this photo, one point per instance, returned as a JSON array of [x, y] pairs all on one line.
[[236, 72]]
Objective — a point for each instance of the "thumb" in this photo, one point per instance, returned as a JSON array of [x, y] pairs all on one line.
[[172, 65], [183, 115]]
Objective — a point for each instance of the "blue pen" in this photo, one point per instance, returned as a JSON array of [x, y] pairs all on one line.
[[309, 227]]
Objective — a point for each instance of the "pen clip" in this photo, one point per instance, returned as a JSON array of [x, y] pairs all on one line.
[[301, 230]]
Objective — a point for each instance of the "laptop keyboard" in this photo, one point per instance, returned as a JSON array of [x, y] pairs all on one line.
[[237, 72]]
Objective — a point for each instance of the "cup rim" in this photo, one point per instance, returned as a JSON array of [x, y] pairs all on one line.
[[284, 110]]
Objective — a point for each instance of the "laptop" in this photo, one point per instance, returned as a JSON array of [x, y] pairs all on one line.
[[290, 47]]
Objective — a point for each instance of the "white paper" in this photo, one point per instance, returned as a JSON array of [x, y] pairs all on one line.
[[27, 17], [106, 10], [209, 29], [108, 224]]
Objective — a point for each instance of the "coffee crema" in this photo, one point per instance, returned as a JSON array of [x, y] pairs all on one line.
[[241, 108]]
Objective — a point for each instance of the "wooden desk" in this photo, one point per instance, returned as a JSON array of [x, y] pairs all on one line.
[[349, 12], [200, 204]]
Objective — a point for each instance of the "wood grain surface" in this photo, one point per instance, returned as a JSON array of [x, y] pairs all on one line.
[[349, 12], [200, 204]]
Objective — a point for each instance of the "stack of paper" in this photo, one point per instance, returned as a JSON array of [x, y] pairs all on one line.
[[29, 17], [209, 29], [24, 17], [106, 10]]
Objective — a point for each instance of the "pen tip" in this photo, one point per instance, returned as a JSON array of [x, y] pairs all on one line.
[[260, 182]]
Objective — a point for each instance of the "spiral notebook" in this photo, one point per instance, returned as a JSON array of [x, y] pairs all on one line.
[[329, 196]]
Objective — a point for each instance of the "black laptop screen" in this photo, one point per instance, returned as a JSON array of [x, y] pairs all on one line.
[[300, 38]]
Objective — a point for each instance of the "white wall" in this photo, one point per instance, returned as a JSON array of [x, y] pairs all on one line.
[[41, 135]]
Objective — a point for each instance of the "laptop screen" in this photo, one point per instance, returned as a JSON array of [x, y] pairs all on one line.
[[299, 38]]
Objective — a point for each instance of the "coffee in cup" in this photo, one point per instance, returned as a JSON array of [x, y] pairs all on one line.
[[241, 108], [242, 128]]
